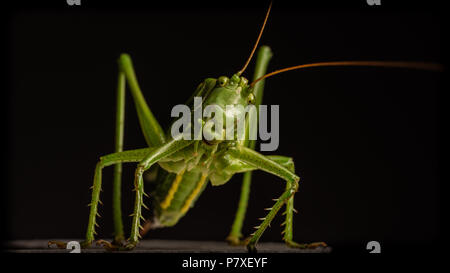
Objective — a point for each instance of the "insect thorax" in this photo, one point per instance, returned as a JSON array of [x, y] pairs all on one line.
[[188, 173]]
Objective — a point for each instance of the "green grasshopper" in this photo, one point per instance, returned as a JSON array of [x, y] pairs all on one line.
[[186, 166]]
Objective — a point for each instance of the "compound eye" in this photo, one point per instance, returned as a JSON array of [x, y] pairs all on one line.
[[251, 99], [222, 80]]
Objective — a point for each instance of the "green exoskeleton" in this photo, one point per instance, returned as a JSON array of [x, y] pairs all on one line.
[[185, 167]]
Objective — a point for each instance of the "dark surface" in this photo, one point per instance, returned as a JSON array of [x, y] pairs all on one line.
[[163, 246]]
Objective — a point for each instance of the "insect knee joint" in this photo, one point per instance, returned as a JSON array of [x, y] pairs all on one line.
[[294, 186], [140, 170], [100, 163]]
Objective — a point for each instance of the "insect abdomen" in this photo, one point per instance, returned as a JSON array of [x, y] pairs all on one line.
[[174, 195]]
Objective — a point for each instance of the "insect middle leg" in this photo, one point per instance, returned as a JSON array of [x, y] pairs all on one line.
[[107, 160]]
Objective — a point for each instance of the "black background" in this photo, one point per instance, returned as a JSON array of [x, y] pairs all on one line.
[[364, 140]]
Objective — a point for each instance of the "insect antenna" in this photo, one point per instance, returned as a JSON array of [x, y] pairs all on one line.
[[257, 41], [413, 65]]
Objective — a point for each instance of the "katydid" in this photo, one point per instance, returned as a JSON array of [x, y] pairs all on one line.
[[185, 167]]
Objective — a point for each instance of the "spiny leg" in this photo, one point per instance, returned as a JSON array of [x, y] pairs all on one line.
[[107, 160], [283, 161], [288, 223], [151, 129], [261, 162], [151, 158], [96, 188], [262, 61], [264, 163], [116, 158], [153, 133]]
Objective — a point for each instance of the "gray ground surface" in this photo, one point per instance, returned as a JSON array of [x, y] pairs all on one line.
[[162, 246]]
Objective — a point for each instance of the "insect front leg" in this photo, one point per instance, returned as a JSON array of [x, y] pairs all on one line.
[[264, 163], [233, 238], [151, 158], [288, 163]]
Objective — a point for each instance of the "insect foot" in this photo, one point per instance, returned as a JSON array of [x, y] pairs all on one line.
[[306, 246]]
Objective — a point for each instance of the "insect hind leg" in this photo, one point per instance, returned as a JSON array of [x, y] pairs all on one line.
[[151, 129]]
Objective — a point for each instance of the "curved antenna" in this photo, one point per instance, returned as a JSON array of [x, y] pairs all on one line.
[[414, 65], [257, 41]]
